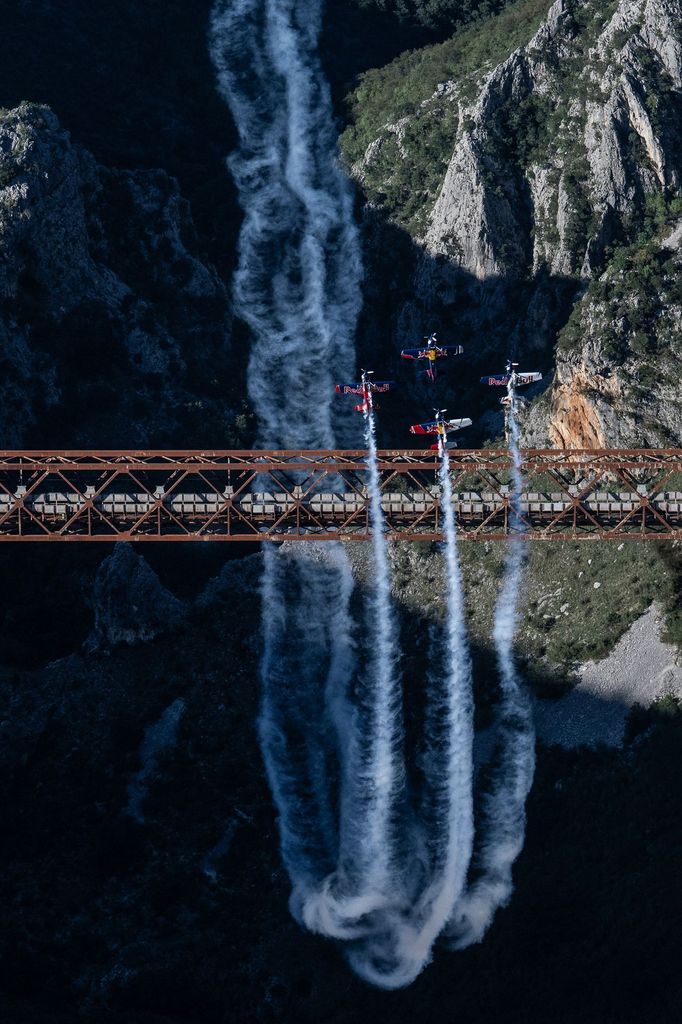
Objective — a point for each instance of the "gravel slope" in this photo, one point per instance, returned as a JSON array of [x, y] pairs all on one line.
[[639, 669]]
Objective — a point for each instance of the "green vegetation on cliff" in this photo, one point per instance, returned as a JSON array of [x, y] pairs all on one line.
[[437, 14], [408, 164], [405, 117], [578, 601], [634, 301], [386, 94]]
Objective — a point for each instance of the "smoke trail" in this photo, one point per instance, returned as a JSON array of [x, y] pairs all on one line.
[[360, 869], [394, 957], [379, 769], [297, 284], [369, 880], [504, 818], [308, 656], [450, 738]]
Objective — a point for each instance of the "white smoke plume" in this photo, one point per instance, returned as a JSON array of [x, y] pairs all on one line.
[[307, 659], [503, 822], [369, 879], [448, 769], [436, 864], [378, 770], [297, 284]]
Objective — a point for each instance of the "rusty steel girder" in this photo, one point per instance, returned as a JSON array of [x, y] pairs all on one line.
[[252, 496]]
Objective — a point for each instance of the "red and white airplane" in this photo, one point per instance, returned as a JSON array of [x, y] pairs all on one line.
[[441, 428], [431, 351], [366, 389], [511, 380]]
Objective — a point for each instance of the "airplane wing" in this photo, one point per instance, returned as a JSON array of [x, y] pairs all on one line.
[[424, 428], [382, 385], [499, 380], [349, 389], [527, 378], [432, 426], [441, 352]]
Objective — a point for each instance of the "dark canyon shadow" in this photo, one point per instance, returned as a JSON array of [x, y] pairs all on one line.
[[182, 917]]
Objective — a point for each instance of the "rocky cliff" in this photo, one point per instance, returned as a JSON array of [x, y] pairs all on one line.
[[114, 329], [564, 141], [545, 169], [619, 358]]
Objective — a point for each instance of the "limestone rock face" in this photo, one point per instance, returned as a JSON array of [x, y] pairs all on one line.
[[109, 317], [605, 94], [619, 362]]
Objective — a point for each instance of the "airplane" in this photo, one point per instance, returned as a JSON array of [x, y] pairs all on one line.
[[441, 427], [431, 351], [365, 389], [511, 380]]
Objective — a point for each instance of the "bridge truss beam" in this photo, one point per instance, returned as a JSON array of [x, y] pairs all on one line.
[[252, 496]]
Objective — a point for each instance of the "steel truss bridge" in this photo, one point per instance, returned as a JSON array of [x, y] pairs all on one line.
[[251, 496]]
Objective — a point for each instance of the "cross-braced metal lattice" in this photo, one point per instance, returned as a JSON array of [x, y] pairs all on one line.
[[243, 496]]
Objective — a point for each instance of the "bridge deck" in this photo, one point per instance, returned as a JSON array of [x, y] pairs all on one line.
[[241, 496]]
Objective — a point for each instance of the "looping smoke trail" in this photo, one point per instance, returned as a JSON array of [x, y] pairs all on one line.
[[380, 765], [450, 734], [368, 883], [394, 957], [504, 818]]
